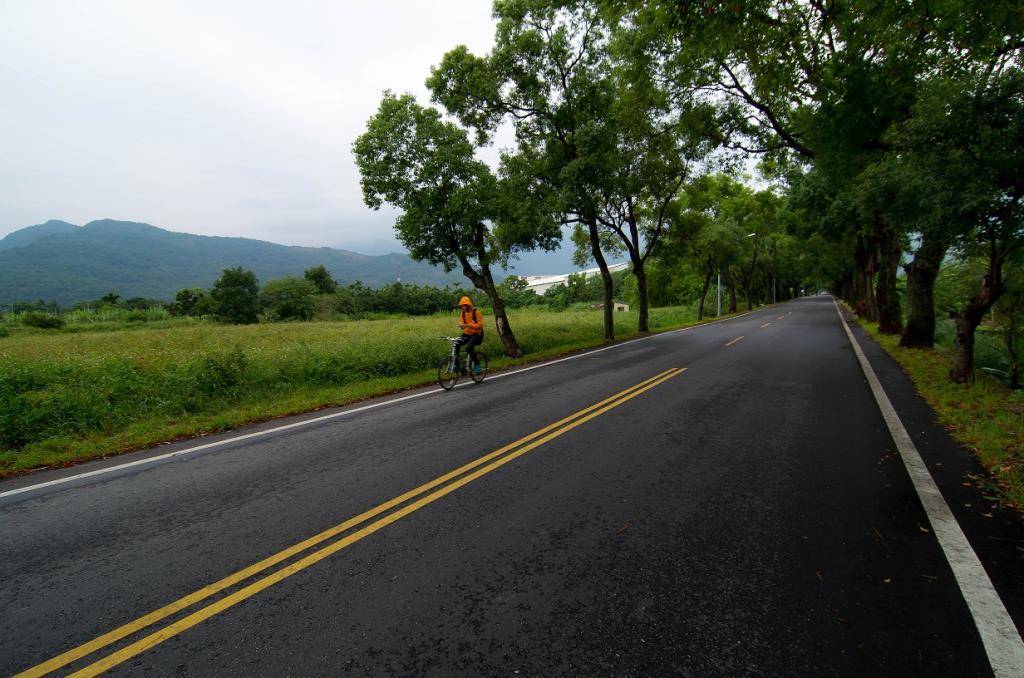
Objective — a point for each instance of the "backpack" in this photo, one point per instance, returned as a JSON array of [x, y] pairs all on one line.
[[473, 316]]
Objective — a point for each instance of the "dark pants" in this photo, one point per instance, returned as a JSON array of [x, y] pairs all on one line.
[[470, 341]]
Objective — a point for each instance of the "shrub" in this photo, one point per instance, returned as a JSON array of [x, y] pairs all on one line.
[[321, 278], [220, 374], [187, 301], [236, 296], [289, 299], [42, 320]]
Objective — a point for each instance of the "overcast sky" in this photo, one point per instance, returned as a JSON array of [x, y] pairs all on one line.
[[211, 117]]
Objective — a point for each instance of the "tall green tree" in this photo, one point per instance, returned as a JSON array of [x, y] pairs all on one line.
[[709, 245], [236, 296], [546, 74], [289, 299], [189, 301], [411, 158], [321, 278], [970, 131], [816, 83], [612, 148]]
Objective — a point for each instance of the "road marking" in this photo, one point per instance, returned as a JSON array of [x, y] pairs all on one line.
[[460, 477], [1002, 642], [734, 341], [764, 326], [780, 317], [335, 415]]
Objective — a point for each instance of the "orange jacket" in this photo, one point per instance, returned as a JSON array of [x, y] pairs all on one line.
[[474, 321]]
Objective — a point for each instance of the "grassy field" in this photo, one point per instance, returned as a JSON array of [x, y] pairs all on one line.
[[985, 417], [66, 395]]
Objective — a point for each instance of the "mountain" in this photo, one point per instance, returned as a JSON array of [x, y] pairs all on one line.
[[29, 235], [61, 262]]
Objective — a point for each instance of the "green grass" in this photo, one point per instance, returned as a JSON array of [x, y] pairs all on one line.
[[986, 417], [70, 396]]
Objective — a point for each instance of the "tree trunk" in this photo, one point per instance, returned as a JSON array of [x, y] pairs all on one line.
[[968, 319], [1012, 350], [921, 274], [865, 304], [732, 290], [632, 243], [606, 279], [508, 339], [748, 282], [641, 293], [703, 295], [890, 315]]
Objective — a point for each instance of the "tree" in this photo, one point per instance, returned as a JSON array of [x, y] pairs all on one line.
[[977, 135], [645, 166], [809, 83], [515, 292], [289, 298], [321, 278], [410, 158], [704, 241], [236, 296], [188, 301], [608, 145], [1010, 313], [546, 74]]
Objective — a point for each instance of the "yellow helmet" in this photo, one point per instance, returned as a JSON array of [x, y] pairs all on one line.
[[465, 301]]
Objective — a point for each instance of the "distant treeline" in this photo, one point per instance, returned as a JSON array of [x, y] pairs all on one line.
[[238, 297]]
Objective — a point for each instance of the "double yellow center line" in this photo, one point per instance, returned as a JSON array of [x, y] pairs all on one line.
[[403, 504]]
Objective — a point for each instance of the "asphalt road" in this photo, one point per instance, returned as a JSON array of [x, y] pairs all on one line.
[[744, 513]]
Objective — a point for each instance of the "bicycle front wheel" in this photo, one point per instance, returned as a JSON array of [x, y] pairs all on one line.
[[446, 375], [479, 371]]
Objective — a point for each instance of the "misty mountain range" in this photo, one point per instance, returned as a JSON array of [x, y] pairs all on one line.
[[65, 263]]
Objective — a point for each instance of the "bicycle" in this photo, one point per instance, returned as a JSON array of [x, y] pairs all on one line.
[[449, 370]]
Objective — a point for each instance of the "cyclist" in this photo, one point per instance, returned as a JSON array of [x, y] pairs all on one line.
[[471, 320]]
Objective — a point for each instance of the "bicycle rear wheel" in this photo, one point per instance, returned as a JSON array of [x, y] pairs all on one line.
[[446, 376], [478, 376]]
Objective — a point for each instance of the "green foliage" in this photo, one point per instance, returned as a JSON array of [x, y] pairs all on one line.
[[42, 320], [86, 317], [28, 306], [584, 289], [192, 301], [514, 292], [236, 296], [321, 278], [289, 299], [957, 282], [599, 144], [411, 158], [219, 374]]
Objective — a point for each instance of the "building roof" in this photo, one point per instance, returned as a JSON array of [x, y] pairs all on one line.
[[541, 283]]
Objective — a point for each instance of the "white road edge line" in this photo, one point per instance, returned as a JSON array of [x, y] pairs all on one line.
[[256, 434], [1002, 642]]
